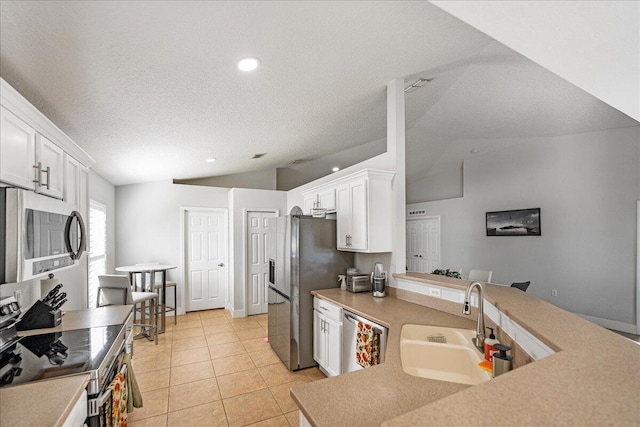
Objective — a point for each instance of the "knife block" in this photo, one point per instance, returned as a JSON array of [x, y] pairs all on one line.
[[39, 316]]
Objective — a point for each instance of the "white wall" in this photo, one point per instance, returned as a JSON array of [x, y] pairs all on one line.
[[240, 201], [261, 179], [148, 222], [593, 44], [102, 191], [586, 186], [440, 186]]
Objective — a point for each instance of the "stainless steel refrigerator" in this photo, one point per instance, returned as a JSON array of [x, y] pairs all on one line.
[[302, 258]]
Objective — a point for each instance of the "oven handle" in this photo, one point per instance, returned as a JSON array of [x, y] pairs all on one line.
[[102, 399]]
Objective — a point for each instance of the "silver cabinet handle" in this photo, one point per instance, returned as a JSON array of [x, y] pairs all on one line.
[[38, 169], [48, 172], [221, 264]]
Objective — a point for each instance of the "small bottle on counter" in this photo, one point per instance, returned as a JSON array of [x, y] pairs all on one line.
[[489, 344], [501, 360]]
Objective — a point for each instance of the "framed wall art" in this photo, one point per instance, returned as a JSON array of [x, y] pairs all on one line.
[[521, 222]]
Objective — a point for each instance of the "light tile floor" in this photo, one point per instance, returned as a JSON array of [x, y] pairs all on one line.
[[213, 370]]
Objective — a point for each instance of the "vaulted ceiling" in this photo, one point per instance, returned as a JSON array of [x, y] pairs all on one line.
[[151, 89]]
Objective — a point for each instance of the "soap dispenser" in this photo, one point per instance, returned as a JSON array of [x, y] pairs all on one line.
[[489, 344], [501, 360]]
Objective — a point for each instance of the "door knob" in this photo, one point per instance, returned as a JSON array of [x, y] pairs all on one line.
[[221, 264]]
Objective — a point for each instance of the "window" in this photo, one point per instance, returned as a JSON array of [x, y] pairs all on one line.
[[97, 247]]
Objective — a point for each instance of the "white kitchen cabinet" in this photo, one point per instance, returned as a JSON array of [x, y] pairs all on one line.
[[327, 336], [83, 194], [34, 151], [17, 151], [28, 159], [50, 160], [363, 211], [320, 197], [71, 180]]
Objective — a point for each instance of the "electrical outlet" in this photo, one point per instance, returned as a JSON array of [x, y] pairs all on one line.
[[434, 292], [554, 293], [17, 294]]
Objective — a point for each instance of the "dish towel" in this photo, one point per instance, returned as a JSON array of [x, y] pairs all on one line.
[[366, 346], [119, 394], [134, 398]]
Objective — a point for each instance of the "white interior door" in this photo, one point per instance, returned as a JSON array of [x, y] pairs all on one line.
[[413, 247], [423, 244], [206, 255], [430, 244], [257, 261]]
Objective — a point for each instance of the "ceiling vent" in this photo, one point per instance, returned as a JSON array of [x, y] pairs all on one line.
[[258, 156], [416, 85], [298, 161]]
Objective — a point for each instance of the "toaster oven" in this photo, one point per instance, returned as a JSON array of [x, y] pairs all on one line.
[[358, 284]]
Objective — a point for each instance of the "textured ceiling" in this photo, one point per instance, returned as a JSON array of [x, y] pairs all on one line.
[[150, 89]]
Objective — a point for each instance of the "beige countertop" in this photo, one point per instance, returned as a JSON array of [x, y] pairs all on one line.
[[42, 403], [593, 379], [47, 403]]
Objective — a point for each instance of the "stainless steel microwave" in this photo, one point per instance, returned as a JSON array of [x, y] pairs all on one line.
[[41, 234]]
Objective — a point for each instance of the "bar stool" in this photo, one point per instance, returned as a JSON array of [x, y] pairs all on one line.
[[480, 276], [170, 284], [116, 290], [157, 287]]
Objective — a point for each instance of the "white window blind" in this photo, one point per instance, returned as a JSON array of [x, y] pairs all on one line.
[[97, 247]]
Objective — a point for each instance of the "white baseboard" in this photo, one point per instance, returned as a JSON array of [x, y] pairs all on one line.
[[235, 313], [611, 324]]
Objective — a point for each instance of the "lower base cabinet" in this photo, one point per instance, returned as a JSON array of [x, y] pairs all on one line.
[[327, 336]]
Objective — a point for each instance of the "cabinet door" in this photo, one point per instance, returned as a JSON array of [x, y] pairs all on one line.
[[359, 217], [51, 156], [319, 339], [71, 180], [333, 364], [327, 199], [83, 197], [17, 151], [309, 204], [343, 215]]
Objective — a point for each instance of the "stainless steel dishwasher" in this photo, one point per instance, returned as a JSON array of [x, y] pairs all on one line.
[[350, 335]]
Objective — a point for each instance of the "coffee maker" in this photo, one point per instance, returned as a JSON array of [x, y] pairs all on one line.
[[379, 281]]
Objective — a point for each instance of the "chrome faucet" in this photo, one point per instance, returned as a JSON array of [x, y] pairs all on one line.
[[478, 341]]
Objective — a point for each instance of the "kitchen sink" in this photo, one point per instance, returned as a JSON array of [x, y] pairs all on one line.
[[455, 360]]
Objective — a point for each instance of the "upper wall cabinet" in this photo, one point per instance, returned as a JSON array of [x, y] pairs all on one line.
[[34, 153], [320, 198], [49, 167], [363, 211], [17, 151]]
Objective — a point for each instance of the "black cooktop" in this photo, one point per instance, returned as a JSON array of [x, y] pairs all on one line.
[[56, 354]]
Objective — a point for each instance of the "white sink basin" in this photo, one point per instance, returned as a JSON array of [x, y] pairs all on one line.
[[451, 335], [454, 361]]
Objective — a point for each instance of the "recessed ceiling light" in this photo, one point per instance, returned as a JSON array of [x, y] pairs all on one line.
[[475, 151], [248, 64], [210, 160], [335, 169]]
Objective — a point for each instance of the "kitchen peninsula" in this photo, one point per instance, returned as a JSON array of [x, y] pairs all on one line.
[[56, 398], [592, 379]]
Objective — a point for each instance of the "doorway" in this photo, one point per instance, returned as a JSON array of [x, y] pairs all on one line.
[[205, 254], [257, 256], [423, 244]]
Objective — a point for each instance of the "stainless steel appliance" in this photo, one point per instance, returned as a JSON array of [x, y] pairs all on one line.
[[379, 281], [350, 336], [302, 258], [97, 351], [39, 234], [358, 284]]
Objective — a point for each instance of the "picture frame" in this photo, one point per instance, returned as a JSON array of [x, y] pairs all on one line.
[[519, 222]]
